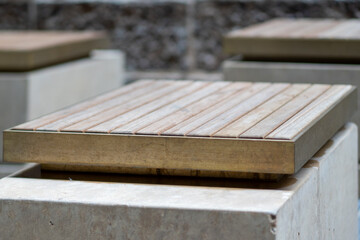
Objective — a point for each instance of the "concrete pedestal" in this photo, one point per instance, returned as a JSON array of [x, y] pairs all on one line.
[[318, 202], [10, 168], [28, 95]]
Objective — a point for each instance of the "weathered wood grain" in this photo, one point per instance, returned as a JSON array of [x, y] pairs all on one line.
[[210, 129], [136, 125], [122, 104], [311, 113], [238, 127], [26, 50], [165, 152], [145, 109], [231, 115], [297, 39], [200, 119], [281, 115], [187, 112], [50, 118]]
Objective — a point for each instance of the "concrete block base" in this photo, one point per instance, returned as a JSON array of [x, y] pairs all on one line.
[[28, 95], [7, 169], [318, 202]]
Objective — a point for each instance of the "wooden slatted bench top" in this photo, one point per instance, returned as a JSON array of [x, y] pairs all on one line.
[[26, 50], [227, 127], [297, 39]]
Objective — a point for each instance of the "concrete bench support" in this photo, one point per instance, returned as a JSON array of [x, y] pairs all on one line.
[[318, 202]]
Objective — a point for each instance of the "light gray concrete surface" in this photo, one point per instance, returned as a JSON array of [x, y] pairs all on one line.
[[318, 202], [25, 96], [7, 169]]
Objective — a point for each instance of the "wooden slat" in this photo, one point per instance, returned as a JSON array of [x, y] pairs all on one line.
[[50, 118], [278, 117], [150, 151], [198, 120], [258, 28], [307, 142], [297, 40], [27, 50], [320, 27], [187, 112], [231, 115], [313, 28], [236, 128], [25, 41], [341, 30], [287, 29], [180, 128], [136, 125], [351, 32], [99, 108], [310, 114], [110, 112], [110, 125]]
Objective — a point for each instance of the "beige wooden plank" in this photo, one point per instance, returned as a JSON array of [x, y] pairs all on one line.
[[251, 118], [300, 39], [277, 27], [310, 114], [274, 120], [187, 112], [181, 155], [108, 126], [258, 28], [310, 141], [231, 115], [47, 119], [25, 41], [313, 27], [190, 124], [319, 28], [150, 151], [27, 50], [341, 30], [139, 96], [93, 117], [353, 33], [136, 125], [289, 28]]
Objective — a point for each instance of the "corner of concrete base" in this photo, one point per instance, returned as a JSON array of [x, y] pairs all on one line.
[[330, 206]]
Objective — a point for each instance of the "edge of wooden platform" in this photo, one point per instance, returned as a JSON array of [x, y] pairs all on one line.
[[43, 57], [288, 48], [306, 144], [272, 156], [163, 152]]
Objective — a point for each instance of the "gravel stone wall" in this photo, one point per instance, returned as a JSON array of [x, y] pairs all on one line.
[[13, 16], [167, 35], [151, 36]]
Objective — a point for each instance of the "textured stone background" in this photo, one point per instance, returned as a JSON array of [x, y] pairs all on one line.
[[166, 35]]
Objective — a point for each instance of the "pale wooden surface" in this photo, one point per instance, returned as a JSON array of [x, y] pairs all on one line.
[[325, 39], [179, 126], [26, 50]]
